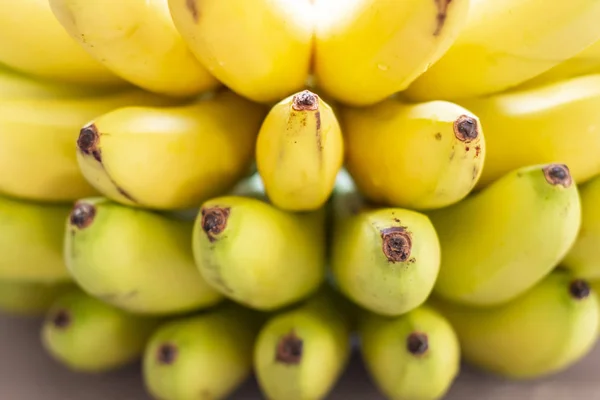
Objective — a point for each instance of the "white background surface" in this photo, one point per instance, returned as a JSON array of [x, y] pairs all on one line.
[[27, 373]]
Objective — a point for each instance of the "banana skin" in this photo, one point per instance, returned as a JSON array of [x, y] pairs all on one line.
[[418, 156], [204, 356], [258, 255], [85, 334], [415, 356], [367, 50], [299, 152], [521, 226], [137, 260], [545, 330], [25, 298], [170, 157]]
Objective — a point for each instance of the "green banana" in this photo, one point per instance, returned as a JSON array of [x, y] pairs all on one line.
[[415, 356], [31, 241], [583, 257], [385, 259], [87, 335], [543, 331], [300, 353], [502, 240], [138, 260], [205, 356], [30, 298], [257, 254]]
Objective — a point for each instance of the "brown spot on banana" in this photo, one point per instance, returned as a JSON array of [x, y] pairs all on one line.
[[192, 7], [396, 244], [214, 221], [442, 6], [289, 349], [558, 174]]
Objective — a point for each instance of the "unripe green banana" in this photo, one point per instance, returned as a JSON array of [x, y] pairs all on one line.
[[257, 254], [138, 260], [30, 298], [543, 331], [87, 335], [384, 259], [205, 356], [300, 353], [417, 156], [299, 151], [31, 241], [521, 226], [415, 356]]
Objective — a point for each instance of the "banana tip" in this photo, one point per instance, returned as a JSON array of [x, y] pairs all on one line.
[[579, 289], [305, 101], [289, 349], [82, 215], [214, 221], [397, 244], [87, 142], [466, 129], [417, 343], [166, 353], [558, 174], [61, 319]]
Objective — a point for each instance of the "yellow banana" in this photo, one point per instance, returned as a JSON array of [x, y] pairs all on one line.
[[300, 353], [367, 50], [545, 330], [204, 356], [502, 240], [37, 141], [418, 156], [31, 241], [260, 49], [415, 356], [34, 42], [26, 298], [505, 43], [553, 123], [170, 158], [87, 335], [299, 151], [137, 260], [137, 40], [257, 254]]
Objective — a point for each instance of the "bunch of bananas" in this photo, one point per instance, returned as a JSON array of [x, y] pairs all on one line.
[[226, 187]]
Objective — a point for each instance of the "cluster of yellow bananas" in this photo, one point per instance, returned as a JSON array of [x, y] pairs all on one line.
[[423, 174]]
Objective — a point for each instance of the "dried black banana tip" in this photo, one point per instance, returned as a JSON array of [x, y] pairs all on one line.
[[417, 343], [466, 129], [396, 244], [166, 354], [558, 174], [61, 319], [579, 289], [82, 215], [214, 221], [305, 101], [289, 349]]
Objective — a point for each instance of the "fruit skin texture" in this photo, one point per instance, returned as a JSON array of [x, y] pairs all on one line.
[[31, 241], [417, 156], [505, 43], [205, 356], [34, 42], [136, 40], [504, 239], [415, 356], [299, 151], [24, 298], [543, 331], [170, 157], [300, 353], [87, 335], [37, 137], [260, 49], [134, 259], [583, 258], [554, 123], [371, 49], [258, 255]]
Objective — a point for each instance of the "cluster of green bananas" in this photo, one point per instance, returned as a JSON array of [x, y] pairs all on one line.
[[226, 187]]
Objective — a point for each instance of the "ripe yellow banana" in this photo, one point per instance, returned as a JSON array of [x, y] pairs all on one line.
[[170, 158], [367, 50], [87, 335], [260, 49], [417, 156], [584, 256], [505, 43], [37, 141], [137, 40], [553, 123], [34, 42], [25, 298], [499, 242], [409, 357], [205, 356], [300, 353], [545, 330], [31, 241], [134, 259], [299, 151], [257, 254]]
